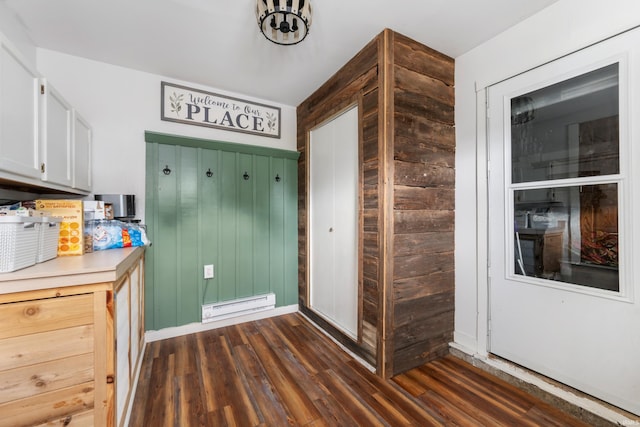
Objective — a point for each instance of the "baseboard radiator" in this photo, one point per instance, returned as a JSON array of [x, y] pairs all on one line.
[[237, 307]]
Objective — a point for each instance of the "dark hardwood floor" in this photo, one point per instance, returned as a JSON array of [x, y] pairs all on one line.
[[283, 371]]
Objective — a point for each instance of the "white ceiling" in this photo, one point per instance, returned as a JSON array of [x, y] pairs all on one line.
[[217, 43]]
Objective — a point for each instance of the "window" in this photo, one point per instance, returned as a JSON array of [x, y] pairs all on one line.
[[565, 180]]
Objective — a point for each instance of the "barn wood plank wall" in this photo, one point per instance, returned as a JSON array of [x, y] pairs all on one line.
[[356, 82], [423, 204], [405, 95]]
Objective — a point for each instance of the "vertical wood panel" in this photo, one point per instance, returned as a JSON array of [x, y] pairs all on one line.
[[151, 209], [166, 267], [227, 244], [245, 229], [209, 219], [386, 148], [290, 181], [189, 271], [261, 213], [277, 228]]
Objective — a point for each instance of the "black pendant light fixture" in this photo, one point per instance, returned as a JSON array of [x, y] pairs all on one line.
[[284, 22]]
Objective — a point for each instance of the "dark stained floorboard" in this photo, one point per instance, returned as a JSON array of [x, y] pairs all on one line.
[[284, 372]]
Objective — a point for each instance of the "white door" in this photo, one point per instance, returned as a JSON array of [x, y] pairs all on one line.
[[563, 208], [333, 221]]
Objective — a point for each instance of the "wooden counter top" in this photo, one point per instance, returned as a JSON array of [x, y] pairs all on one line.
[[96, 267]]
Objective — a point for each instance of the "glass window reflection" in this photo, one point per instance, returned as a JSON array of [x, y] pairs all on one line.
[[567, 130], [567, 230]]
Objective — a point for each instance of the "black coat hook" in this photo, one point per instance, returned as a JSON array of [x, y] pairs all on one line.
[[166, 170], [278, 178], [209, 173], [245, 176]]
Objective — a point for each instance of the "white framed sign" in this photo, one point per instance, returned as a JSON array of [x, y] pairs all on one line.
[[182, 104]]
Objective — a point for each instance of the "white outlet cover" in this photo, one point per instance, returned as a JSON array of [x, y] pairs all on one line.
[[208, 271]]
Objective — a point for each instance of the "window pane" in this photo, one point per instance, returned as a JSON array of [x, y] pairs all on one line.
[[568, 234], [567, 130]]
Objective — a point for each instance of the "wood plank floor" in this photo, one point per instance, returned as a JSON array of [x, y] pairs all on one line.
[[283, 371]]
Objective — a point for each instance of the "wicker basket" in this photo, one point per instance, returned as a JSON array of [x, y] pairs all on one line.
[[18, 242], [48, 233]]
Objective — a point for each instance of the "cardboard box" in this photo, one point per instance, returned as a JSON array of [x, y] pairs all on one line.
[[71, 237]]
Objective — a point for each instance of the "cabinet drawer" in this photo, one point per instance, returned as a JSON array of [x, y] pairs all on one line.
[[47, 376], [41, 409], [30, 317], [37, 348]]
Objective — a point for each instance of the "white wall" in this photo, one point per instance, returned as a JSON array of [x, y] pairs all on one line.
[[120, 104], [562, 28], [12, 29]]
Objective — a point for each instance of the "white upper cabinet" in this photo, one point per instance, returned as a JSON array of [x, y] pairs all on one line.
[[19, 95], [81, 153], [56, 136], [44, 143]]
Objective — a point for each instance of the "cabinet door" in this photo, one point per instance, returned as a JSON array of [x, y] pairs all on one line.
[[136, 316], [56, 137], [334, 198], [123, 337], [81, 152], [18, 116]]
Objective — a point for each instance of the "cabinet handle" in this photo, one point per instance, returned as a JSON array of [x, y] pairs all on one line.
[[166, 170], [330, 229], [209, 173], [245, 176], [42, 167], [278, 178]]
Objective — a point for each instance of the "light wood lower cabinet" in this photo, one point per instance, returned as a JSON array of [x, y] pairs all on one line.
[[68, 355]]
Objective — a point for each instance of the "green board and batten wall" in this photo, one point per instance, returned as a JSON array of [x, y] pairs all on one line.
[[243, 224]]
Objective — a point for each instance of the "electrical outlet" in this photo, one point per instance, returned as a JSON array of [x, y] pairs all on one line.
[[208, 271]]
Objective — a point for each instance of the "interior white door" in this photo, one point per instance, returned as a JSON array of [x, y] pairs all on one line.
[[333, 221], [562, 199]]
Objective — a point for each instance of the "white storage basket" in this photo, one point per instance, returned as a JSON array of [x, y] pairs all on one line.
[[18, 242], [48, 233]]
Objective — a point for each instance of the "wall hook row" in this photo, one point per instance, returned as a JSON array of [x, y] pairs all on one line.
[[166, 170]]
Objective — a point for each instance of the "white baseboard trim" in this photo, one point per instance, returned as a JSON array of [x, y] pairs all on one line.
[[163, 334], [522, 374]]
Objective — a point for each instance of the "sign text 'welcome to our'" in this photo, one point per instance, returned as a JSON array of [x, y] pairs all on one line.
[[196, 107]]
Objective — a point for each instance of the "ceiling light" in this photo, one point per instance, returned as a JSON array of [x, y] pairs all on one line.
[[284, 21]]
